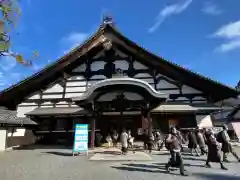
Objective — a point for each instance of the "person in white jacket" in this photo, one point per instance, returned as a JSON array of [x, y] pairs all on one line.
[[124, 141]]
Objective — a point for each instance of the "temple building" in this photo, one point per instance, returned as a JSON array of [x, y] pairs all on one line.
[[110, 82]]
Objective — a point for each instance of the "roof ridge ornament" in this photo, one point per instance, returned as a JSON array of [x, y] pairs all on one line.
[[107, 19]]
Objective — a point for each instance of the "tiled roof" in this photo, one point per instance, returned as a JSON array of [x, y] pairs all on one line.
[[9, 96], [10, 117]]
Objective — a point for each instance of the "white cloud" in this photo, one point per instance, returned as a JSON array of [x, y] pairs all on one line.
[[229, 46], [211, 9], [168, 11], [73, 40], [7, 62], [231, 30], [231, 33]]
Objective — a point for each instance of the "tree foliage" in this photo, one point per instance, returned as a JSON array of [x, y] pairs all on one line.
[[10, 14]]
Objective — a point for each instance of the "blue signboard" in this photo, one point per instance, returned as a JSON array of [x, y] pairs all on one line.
[[81, 138]]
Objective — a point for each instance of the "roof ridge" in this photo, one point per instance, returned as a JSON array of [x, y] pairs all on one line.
[[62, 58], [173, 63]]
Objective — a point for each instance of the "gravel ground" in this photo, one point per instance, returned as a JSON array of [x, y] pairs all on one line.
[[58, 164]]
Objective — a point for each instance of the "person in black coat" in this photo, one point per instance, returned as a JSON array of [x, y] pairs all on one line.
[[213, 150], [223, 138], [192, 142]]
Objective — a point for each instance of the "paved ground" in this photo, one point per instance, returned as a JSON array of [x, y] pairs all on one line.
[[58, 164], [114, 154]]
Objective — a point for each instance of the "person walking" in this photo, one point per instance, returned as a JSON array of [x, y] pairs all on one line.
[[150, 143], [109, 140], [145, 140], [192, 142], [124, 141], [158, 139], [201, 141], [224, 138], [130, 141], [115, 138], [213, 150], [174, 146]]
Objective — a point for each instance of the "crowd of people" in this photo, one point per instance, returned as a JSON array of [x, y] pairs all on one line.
[[200, 142], [206, 140]]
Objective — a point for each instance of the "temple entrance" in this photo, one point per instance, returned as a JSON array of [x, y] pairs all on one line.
[[106, 124], [116, 96]]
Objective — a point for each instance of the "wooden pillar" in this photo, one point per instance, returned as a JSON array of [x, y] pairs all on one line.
[[93, 129]]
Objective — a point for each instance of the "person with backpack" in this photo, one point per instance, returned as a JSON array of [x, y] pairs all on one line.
[[224, 138]]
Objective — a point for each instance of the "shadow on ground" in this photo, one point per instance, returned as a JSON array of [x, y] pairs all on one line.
[[194, 159], [110, 152], [217, 176], [159, 168], [39, 146], [185, 164], [59, 153]]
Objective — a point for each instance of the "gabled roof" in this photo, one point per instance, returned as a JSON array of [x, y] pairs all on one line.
[[15, 94]]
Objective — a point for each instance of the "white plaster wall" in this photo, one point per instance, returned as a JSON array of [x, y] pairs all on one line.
[[165, 84], [62, 104], [236, 128], [189, 90], [97, 65], [122, 64], [16, 132], [46, 105], [204, 121], [70, 95], [51, 96], [80, 68], [75, 89], [142, 75], [3, 134], [54, 88], [138, 65], [34, 96], [21, 110], [174, 91], [19, 137], [76, 83]]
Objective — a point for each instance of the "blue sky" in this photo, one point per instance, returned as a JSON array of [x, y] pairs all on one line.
[[202, 35]]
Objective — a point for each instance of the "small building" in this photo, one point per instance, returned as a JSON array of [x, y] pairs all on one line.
[[110, 82], [15, 131]]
